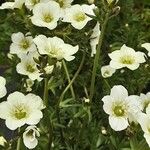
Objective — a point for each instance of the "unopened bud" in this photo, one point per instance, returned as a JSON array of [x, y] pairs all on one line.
[[103, 130]]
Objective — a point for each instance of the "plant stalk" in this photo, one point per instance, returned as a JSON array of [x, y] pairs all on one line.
[[68, 77], [96, 59], [73, 79], [45, 96], [19, 141], [63, 94]]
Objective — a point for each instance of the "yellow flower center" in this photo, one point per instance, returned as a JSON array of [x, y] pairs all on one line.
[[47, 18], [25, 44], [127, 60], [30, 68], [119, 111], [20, 112], [56, 52], [80, 17]]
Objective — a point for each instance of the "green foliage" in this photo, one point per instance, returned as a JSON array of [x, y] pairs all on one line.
[[79, 125]]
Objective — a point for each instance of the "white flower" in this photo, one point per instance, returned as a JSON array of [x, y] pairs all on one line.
[[19, 110], [147, 47], [21, 44], [2, 141], [3, 90], [28, 67], [119, 107], [55, 48], [30, 137], [145, 100], [76, 15], [31, 3], [12, 5], [94, 39], [46, 15], [107, 71], [126, 57]]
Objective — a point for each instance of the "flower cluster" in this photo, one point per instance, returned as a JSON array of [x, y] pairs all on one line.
[[46, 13], [124, 109], [40, 54]]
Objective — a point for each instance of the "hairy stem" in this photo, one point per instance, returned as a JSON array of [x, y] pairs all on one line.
[[19, 141], [107, 83], [45, 99], [50, 139], [63, 94], [73, 79], [68, 77], [96, 59], [45, 96]]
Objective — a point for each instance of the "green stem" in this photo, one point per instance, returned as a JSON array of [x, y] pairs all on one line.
[[19, 141], [107, 83], [68, 77], [50, 139], [96, 59], [62, 96], [45, 96], [73, 79], [60, 130], [86, 92], [45, 99]]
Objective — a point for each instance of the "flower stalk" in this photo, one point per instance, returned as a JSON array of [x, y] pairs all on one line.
[[45, 96], [63, 94], [68, 77], [71, 82], [96, 59], [19, 141]]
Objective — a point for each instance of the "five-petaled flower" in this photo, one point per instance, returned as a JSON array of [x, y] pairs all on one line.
[[120, 106], [126, 57], [76, 15], [20, 109], [21, 44], [55, 48], [46, 14]]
